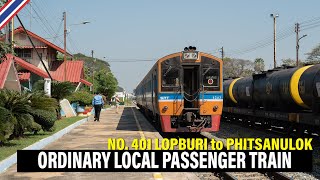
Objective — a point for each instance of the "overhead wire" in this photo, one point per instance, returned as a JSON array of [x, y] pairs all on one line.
[[283, 34]]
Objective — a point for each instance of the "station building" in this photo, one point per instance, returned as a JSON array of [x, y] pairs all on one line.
[[29, 67]]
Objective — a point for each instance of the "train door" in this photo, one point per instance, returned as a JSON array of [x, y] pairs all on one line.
[[191, 86]]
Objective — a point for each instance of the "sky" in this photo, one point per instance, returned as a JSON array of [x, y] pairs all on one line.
[[127, 30]]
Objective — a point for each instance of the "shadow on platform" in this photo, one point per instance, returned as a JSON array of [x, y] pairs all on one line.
[[127, 121]]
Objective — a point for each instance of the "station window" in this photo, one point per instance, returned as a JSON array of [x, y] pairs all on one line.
[[170, 70], [23, 53]]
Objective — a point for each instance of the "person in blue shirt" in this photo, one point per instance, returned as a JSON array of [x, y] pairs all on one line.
[[97, 103]]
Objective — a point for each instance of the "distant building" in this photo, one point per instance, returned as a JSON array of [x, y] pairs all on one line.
[[121, 96]]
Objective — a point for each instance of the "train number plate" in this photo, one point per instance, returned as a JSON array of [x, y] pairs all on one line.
[[190, 55]]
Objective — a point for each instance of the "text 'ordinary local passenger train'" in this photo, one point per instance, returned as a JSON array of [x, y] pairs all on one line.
[[183, 92]]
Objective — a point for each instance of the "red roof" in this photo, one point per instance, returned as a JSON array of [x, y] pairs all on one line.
[[85, 82], [74, 69], [4, 70], [20, 30], [28, 66], [30, 47], [24, 76]]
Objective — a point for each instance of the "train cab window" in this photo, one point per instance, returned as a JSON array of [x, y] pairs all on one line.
[[210, 74], [170, 73]]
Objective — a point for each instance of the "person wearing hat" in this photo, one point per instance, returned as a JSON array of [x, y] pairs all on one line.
[[97, 103]]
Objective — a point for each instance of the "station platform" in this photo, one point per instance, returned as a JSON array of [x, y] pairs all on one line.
[[128, 124]]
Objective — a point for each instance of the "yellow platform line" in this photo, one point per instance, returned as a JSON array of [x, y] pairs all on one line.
[[138, 125], [157, 176]]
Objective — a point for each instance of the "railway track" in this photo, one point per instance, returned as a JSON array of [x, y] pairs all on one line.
[[246, 175], [243, 175], [233, 175]]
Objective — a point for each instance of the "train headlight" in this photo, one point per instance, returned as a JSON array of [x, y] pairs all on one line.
[[215, 108], [165, 108]]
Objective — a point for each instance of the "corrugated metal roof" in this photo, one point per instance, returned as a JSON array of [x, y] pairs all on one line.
[[86, 82], [24, 76], [4, 70], [30, 47], [74, 70], [75, 73], [32, 68]]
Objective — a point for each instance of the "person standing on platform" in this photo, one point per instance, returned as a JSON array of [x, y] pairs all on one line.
[[97, 103], [117, 103]]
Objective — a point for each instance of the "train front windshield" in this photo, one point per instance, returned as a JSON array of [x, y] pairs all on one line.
[[170, 71]]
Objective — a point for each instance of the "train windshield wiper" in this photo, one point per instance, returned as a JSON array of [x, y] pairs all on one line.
[[169, 69], [206, 71]]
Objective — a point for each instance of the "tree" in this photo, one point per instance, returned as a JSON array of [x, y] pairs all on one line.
[[314, 55], [120, 89], [92, 64], [105, 83], [237, 67], [259, 65], [288, 62], [4, 49], [21, 112]]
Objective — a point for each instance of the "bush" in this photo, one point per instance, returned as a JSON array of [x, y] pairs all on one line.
[[34, 127], [22, 112], [41, 101], [82, 97], [45, 119], [6, 124]]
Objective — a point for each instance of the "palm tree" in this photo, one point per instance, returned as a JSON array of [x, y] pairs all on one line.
[[20, 112], [7, 122], [16, 108]]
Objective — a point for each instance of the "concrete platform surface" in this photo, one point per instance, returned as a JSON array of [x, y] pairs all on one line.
[[128, 124]]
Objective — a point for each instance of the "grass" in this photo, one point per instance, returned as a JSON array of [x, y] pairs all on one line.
[[12, 146]]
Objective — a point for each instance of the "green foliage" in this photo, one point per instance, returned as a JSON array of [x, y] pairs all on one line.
[[19, 107], [82, 97], [25, 112], [314, 55], [288, 62], [237, 67], [4, 49], [59, 90], [120, 89], [43, 102], [7, 122], [91, 64], [105, 83], [259, 65], [45, 119]]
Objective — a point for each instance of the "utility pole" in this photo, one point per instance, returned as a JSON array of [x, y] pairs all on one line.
[[12, 36], [297, 29], [274, 16], [222, 53], [92, 71], [65, 45], [30, 14]]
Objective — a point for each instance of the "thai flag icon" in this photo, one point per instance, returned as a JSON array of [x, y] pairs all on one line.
[[10, 9]]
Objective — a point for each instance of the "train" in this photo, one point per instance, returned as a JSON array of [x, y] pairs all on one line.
[[182, 92], [286, 97]]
